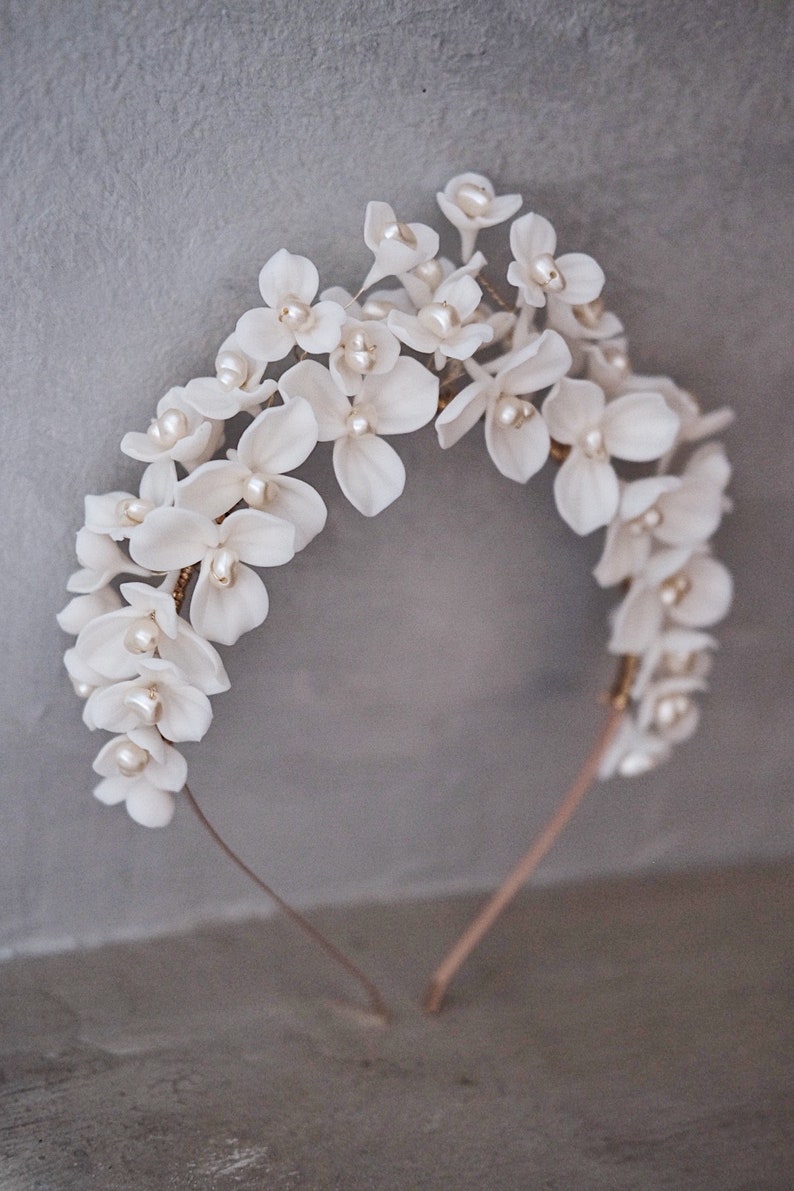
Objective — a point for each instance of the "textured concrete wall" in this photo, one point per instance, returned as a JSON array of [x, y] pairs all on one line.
[[415, 702]]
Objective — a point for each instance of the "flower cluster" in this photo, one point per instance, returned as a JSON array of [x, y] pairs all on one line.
[[545, 367]]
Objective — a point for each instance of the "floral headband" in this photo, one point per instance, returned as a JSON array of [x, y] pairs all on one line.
[[547, 370]]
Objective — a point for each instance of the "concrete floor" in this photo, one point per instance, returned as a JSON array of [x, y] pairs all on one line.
[[633, 1034]]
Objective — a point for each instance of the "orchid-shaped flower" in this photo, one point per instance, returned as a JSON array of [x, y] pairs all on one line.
[[397, 247], [119, 513], [470, 203], [573, 278], [421, 283], [675, 653], [178, 432], [366, 347], [444, 326], [637, 427], [277, 441], [143, 771], [236, 387], [114, 644], [289, 285], [229, 598], [101, 560], [582, 326], [678, 586], [515, 433], [633, 752], [674, 510], [369, 470], [159, 695]]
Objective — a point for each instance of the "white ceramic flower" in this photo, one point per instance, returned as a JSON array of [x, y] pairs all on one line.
[[289, 285], [229, 598], [101, 560], [588, 330], [470, 202], [143, 771], [277, 441], [178, 432], [369, 470], [677, 586], [397, 247], [158, 695], [637, 427], [573, 278], [81, 610], [114, 644], [515, 433], [367, 347], [119, 513], [444, 326]]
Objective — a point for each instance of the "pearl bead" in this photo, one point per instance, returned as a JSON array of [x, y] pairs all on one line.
[[82, 689], [259, 491], [439, 318], [358, 423], [294, 314], [590, 314], [400, 232], [545, 272], [671, 709], [376, 309], [132, 512], [512, 413], [167, 430], [360, 354], [142, 636], [673, 590], [430, 272], [146, 703], [130, 758], [223, 568], [231, 369], [593, 444], [616, 358], [473, 200]]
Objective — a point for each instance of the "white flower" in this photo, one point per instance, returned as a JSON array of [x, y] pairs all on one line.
[[178, 432], [677, 586], [366, 347], [289, 285], [278, 440], [143, 771], [398, 247], [633, 751], [101, 560], [675, 653], [587, 330], [573, 278], [470, 203], [674, 510], [115, 644], [636, 427], [119, 513], [85, 608], [516, 435], [158, 695], [444, 325], [229, 598], [85, 680], [667, 708], [369, 470]]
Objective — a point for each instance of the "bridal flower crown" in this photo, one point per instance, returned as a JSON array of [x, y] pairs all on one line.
[[540, 360]]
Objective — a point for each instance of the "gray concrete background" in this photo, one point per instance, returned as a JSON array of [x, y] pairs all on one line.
[[426, 681]]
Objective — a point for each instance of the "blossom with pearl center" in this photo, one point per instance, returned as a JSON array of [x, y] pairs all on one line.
[[573, 278], [289, 284], [470, 203]]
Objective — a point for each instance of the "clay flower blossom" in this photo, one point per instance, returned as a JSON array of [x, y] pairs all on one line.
[[444, 325], [470, 203], [369, 470], [573, 278], [515, 433], [397, 247], [143, 771], [289, 285], [229, 598], [158, 695], [277, 441], [637, 427], [178, 432], [117, 514]]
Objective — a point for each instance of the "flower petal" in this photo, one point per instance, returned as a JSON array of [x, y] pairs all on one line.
[[463, 412], [584, 278], [258, 538], [518, 451], [224, 614], [369, 471], [404, 399], [83, 609], [639, 426], [312, 381], [172, 538], [587, 492], [531, 236], [638, 620], [299, 504], [572, 408], [288, 276], [196, 658], [262, 336], [280, 439], [325, 330], [213, 488], [536, 366], [709, 597], [149, 806]]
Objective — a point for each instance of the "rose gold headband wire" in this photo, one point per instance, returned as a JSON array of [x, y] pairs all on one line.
[[483, 921]]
